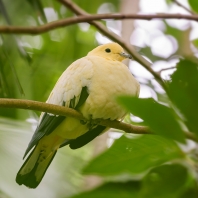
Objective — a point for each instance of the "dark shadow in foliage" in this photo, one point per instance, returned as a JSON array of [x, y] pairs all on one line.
[[191, 192], [166, 181], [113, 190], [15, 38], [183, 91]]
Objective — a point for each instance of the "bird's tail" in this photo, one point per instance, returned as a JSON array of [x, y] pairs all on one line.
[[33, 169]]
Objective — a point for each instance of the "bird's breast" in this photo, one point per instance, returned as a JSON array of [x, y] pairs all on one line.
[[110, 79]]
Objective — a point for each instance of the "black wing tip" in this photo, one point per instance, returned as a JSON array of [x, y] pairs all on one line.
[[86, 138], [26, 152], [46, 126], [29, 179], [25, 180]]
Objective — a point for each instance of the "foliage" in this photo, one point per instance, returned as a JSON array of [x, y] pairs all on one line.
[[163, 165], [194, 5], [185, 81], [163, 122], [128, 152], [161, 182], [123, 189]]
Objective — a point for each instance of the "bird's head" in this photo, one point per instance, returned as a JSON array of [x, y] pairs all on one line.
[[110, 51]]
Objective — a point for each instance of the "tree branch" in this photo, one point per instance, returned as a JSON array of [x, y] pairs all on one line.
[[165, 69], [88, 18], [65, 111]]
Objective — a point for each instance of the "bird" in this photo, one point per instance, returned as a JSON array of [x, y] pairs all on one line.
[[89, 85]]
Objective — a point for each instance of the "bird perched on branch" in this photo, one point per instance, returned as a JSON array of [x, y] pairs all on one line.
[[90, 86]]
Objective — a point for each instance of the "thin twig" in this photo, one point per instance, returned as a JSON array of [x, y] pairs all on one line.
[[164, 69], [64, 111], [191, 136], [184, 7], [70, 21]]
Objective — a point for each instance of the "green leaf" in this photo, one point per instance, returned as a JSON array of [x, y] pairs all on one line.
[[195, 42], [134, 155], [183, 92], [193, 5], [169, 1], [159, 118], [38, 7], [4, 13], [165, 181], [114, 190], [93, 7], [191, 192]]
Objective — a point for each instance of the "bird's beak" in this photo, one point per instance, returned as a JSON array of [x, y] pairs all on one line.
[[125, 55]]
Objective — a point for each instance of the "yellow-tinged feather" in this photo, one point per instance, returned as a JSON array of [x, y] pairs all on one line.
[[114, 53], [70, 128], [31, 162], [110, 79]]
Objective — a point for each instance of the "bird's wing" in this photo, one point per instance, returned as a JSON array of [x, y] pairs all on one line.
[[85, 138], [71, 90]]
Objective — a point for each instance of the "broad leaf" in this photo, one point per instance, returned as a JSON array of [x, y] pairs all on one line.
[[114, 190], [183, 92], [169, 1], [159, 118], [165, 181], [191, 192], [134, 155], [195, 42], [193, 5]]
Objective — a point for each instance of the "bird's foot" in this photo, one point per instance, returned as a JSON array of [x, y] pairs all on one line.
[[83, 122], [92, 123]]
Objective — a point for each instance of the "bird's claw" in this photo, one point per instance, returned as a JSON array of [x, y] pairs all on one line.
[[93, 123], [83, 122]]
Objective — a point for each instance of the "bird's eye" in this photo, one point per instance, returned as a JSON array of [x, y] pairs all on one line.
[[107, 50]]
